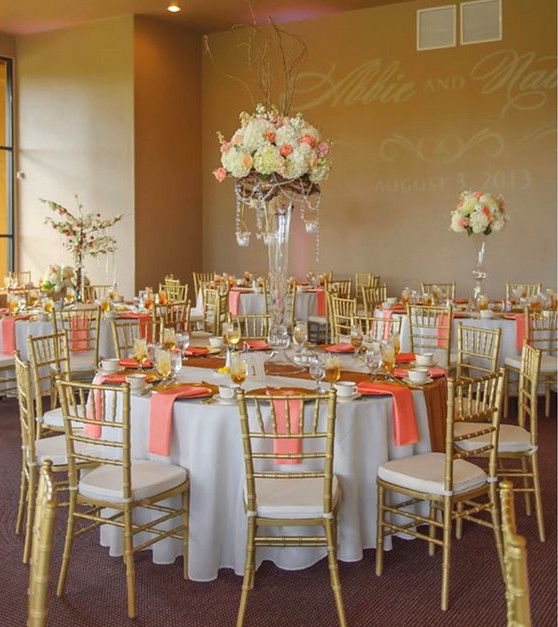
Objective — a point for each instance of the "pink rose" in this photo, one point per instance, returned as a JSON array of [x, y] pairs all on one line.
[[487, 213], [270, 136], [220, 174], [478, 194], [237, 139], [286, 150], [225, 147], [308, 139], [323, 149], [464, 222]]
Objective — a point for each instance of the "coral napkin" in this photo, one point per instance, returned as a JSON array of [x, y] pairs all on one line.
[[405, 428], [131, 362], [79, 334], [442, 333], [196, 351], [387, 314], [8, 335], [161, 413], [435, 372], [256, 345], [404, 358], [320, 303], [287, 445], [234, 302], [520, 329], [96, 412], [340, 348]]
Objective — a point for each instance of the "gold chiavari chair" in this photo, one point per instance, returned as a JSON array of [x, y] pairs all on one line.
[[118, 482], [201, 279], [320, 328], [34, 452], [430, 329], [216, 307], [20, 278], [252, 326], [377, 329], [124, 332], [343, 312], [340, 287], [49, 357], [41, 554], [175, 315], [516, 443], [452, 486], [542, 333], [303, 498], [364, 279], [372, 298], [524, 290], [442, 291], [515, 563], [477, 351], [97, 292], [82, 324]]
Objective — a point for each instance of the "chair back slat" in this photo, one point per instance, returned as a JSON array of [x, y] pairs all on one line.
[[26, 410], [124, 333], [377, 329], [343, 314], [431, 330], [542, 331], [440, 291], [82, 324], [477, 351], [522, 290], [252, 326], [372, 297]]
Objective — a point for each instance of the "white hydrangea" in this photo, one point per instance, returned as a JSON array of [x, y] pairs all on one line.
[[478, 222], [307, 129], [320, 172], [296, 164], [455, 225], [254, 134], [267, 159], [287, 134], [237, 161], [498, 224]]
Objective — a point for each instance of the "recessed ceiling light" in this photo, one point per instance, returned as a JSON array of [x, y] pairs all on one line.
[[173, 7]]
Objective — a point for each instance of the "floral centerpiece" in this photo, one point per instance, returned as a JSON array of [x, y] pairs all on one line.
[[479, 213], [57, 278], [83, 234]]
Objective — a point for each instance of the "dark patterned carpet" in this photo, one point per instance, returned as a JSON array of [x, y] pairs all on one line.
[[406, 594]]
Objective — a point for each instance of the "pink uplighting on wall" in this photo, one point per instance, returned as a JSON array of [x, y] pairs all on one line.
[[297, 13]]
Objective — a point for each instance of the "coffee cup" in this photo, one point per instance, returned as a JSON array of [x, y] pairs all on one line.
[[425, 359], [109, 366], [345, 389], [418, 375], [138, 383], [216, 342], [227, 392]]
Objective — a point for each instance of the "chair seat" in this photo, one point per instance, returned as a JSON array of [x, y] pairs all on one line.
[[511, 438], [82, 361], [292, 498], [548, 363], [148, 479], [318, 319], [55, 449], [6, 361], [425, 473], [54, 418]]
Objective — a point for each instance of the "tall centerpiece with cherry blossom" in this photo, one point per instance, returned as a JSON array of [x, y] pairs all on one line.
[[479, 213], [82, 234]]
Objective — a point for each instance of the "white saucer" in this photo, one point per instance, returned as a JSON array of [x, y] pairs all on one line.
[[409, 382], [346, 399], [224, 401], [146, 389], [414, 364]]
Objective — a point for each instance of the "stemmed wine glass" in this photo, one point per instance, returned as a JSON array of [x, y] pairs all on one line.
[[239, 369], [372, 360], [357, 338], [316, 368], [332, 370], [300, 335], [387, 351]]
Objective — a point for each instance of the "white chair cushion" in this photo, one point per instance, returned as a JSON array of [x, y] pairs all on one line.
[[54, 418], [425, 473], [317, 319], [148, 479], [6, 361], [55, 449], [511, 438], [292, 498], [548, 363]]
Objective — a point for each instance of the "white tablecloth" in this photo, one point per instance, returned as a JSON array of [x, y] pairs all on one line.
[[206, 440]]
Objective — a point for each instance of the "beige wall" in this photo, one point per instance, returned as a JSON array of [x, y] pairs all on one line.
[[167, 130], [7, 45], [75, 95], [411, 130]]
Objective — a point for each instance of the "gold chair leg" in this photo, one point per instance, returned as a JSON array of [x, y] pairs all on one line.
[[68, 543], [547, 401], [495, 515], [248, 566], [538, 498], [334, 571], [130, 566], [446, 553], [459, 522], [526, 486], [506, 392], [433, 515], [22, 501], [186, 530], [31, 490], [380, 532]]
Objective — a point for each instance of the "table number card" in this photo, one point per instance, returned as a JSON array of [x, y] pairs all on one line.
[[255, 364]]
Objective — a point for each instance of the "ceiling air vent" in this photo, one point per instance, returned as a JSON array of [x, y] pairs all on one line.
[[436, 27], [481, 21]]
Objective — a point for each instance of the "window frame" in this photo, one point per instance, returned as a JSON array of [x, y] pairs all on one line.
[[9, 149]]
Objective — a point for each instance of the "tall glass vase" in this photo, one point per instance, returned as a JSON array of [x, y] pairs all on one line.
[[277, 240], [80, 278], [479, 273]]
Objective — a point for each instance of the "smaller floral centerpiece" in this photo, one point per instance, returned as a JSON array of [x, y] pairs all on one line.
[[478, 213], [57, 279]]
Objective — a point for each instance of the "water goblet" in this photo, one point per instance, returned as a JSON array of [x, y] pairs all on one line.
[[300, 335], [316, 368]]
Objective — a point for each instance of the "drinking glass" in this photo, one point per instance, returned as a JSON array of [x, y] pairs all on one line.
[[396, 344], [176, 363], [163, 300], [70, 296], [357, 337], [300, 335], [332, 370], [372, 360], [316, 368], [13, 305], [387, 351], [239, 370], [105, 305], [48, 305], [231, 332], [163, 363], [182, 341], [140, 350], [33, 298], [169, 338]]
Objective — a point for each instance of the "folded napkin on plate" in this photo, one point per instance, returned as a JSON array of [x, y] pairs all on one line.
[[404, 358], [405, 428], [461, 314], [196, 351], [256, 345], [403, 373], [340, 348], [130, 362], [161, 414], [398, 307], [287, 446]]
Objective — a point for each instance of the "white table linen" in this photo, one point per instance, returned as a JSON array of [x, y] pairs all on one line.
[[206, 440]]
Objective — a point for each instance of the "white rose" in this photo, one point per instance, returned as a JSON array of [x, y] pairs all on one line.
[[254, 134], [455, 223], [478, 222]]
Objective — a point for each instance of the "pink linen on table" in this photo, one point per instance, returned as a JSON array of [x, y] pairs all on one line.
[[436, 372], [79, 334], [131, 362], [161, 408], [234, 300], [287, 446], [405, 428], [320, 308], [8, 335], [387, 314], [196, 351]]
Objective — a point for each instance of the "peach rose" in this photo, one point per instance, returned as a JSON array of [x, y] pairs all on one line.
[[220, 174], [247, 161], [270, 136], [308, 139], [286, 150]]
